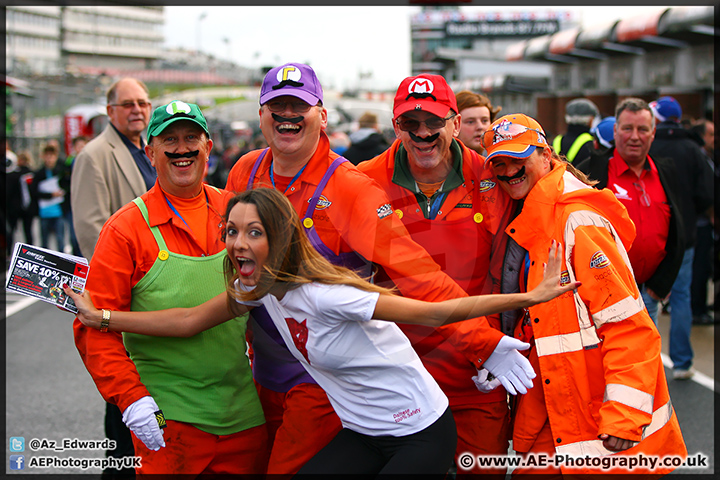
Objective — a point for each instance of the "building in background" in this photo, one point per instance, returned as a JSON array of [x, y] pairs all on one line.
[[33, 40]]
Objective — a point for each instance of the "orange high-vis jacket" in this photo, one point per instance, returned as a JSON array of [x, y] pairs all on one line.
[[597, 349]]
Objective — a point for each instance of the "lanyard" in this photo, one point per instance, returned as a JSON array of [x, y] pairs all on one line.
[[272, 177], [436, 204], [172, 207]]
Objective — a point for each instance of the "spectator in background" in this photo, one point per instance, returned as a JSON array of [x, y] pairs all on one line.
[[648, 188], [339, 141], [9, 220], [367, 141], [78, 143], [703, 262], [49, 195], [20, 205], [477, 113], [695, 196], [580, 115], [603, 134]]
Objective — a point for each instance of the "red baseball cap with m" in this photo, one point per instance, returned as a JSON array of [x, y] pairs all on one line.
[[424, 92]]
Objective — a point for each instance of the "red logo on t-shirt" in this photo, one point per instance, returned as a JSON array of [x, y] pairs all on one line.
[[299, 333]]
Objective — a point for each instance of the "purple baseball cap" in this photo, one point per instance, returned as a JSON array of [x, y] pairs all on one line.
[[296, 79]]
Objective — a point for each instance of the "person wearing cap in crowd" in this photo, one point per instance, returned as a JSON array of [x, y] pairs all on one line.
[[110, 171], [603, 133], [647, 186], [580, 115], [367, 141], [433, 184], [695, 196], [164, 250], [601, 388], [477, 113], [350, 221]]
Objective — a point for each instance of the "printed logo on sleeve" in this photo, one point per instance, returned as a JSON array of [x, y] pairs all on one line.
[[599, 260], [384, 210], [564, 278], [486, 185]]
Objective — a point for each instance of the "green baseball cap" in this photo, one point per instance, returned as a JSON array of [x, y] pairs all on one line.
[[172, 112]]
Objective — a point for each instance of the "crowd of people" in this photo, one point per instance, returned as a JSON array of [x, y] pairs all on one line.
[[470, 284]]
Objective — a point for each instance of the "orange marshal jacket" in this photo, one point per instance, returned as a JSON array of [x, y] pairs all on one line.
[[460, 243], [597, 350], [354, 214], [125, 251]]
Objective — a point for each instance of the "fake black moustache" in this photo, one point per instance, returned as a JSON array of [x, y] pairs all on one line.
[[429, 139], [280, 119], [519, 174], [182, 155]]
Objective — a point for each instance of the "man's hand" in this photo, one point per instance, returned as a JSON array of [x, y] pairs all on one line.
[[616, 444], [510, 366], [485, 381], [140, 418]]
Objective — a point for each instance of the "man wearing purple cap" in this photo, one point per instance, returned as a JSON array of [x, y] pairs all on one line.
[[695, 196], [348, 219], [435, 187]]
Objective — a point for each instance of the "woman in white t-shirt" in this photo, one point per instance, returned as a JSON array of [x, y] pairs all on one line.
[[395, 417]]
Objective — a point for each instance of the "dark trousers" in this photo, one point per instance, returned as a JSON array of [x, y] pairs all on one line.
[[701, 270], [428, 452], [116, 430]]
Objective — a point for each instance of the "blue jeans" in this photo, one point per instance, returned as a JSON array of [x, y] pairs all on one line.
[[650, 304], [56, 225], [681, 352]]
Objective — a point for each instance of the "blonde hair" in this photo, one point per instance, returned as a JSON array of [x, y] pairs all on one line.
[[291, 259]]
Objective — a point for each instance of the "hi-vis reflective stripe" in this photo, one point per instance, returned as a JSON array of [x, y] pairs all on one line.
[[594, 448], [569, 342], [632, 397], [625, 308]]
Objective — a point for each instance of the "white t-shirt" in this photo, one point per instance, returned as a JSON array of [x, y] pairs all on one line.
[[374, 379]]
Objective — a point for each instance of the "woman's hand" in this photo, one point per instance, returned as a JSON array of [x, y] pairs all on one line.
[[550, 286], [616, 444], [87, 313]]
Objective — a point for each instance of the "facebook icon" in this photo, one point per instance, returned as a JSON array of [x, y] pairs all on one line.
[[17, 462]]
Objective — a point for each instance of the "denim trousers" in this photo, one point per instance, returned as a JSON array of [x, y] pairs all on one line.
[[681, 352], [55, 225], [650, 304]]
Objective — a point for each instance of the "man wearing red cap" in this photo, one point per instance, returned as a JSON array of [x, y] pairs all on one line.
[[434, 186], [602, 398], [348, 219]]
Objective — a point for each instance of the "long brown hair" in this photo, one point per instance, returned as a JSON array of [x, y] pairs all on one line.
[[292, 260]]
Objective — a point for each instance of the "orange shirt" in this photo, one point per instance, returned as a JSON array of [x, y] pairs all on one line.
[[125, 252], [354, 214]]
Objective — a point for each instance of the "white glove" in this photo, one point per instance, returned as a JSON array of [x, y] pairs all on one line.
[[483, 384], [140, 418], [510, 366]]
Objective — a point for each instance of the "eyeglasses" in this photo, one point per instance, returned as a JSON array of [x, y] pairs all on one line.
[[130, 104], [506, 130], [644, 197], [297, 106], [433, 123]]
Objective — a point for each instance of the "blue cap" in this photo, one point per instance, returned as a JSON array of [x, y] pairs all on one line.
[[603, 131], [666, 108]]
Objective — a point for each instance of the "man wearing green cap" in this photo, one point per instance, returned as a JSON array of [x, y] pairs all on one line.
[[163, 250]]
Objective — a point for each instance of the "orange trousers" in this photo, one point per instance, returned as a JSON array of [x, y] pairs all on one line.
[[299, 423], [483, 429], [191, 451]]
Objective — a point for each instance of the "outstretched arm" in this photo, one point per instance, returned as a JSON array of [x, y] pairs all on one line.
[[407, 310], [173, 322]]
